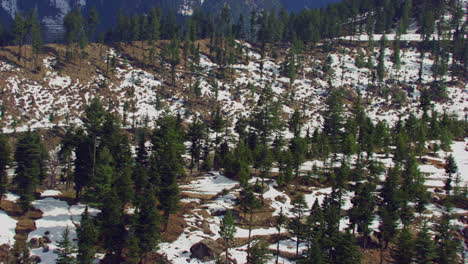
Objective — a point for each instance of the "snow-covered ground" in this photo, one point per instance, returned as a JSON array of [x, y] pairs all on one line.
[[212, 183], [7, 230], [58, 216]]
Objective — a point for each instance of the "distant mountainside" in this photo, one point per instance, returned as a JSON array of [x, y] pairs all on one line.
[[51, 12], [297, 5]]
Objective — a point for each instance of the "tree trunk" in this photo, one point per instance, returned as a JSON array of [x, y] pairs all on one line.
[[250, 234], [227, 253], [297, 245], [278, 246]]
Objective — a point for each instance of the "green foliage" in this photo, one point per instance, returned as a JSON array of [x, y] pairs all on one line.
[[167, 140], [404, 251], [346, 251], [424, 247], [450, 168], [148, 223], [259, 253], [30, 157], [87, 238], [447, 246], [65, 249], [227, 231], [4, 162]]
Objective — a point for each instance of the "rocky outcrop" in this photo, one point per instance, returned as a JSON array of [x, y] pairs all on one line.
[[207, 249]]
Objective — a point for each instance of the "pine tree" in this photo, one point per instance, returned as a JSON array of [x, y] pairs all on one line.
[[196, 135], [93, 21], [450, 168], [20, 32], [112, 229], [345, 250], [65, 249], [93, 119], [424, 247], [134, 254], [87, 238], [447, 245], [412, 181], [249, 203], [296, 226], [404, 251], [124, 185], [362, 212], [381, 64], [36, 38], [333, 117], [406, 16], [227, 232], [389, 207], [148, 223], [30, 166], [84, 157], [259, 253], [105, 173], [167, 153], [4, 162], [281, 220]]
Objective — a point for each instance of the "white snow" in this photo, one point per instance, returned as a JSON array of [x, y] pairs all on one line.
[[212, 183], [58, 215], [7, 230], [50, 193]]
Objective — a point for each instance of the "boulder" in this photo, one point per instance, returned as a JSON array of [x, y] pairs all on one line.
[[46, 239], [35, 242], [45, 248], [36, 259], [206, 250], [205, 226], [153, 257]]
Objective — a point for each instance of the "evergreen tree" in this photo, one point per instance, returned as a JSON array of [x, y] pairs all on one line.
[[148, 223], [65, 250], [450, 168], [227, 232], [345, 250], [196, 135], [362, 212], [381, 64], [333, 117], [315, 234], [259, 253], [406, 16], [296, 226], [404, 251], [36, 38], [249, 203], [84, 157], [424, 247], [389, 207], [112, 229], [93, 119], [4, 162], [280, 221], [447, 245], [30, 169], [167, 153], [87, 238], [105, 171], [20, 32], [92, 22]]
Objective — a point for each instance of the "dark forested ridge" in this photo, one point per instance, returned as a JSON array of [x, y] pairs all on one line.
[[51, 14]]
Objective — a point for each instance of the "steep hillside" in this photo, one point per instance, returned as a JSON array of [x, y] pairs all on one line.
[[63, 87]]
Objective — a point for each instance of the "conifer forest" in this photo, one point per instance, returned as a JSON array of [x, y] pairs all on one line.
[[224, 131]]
